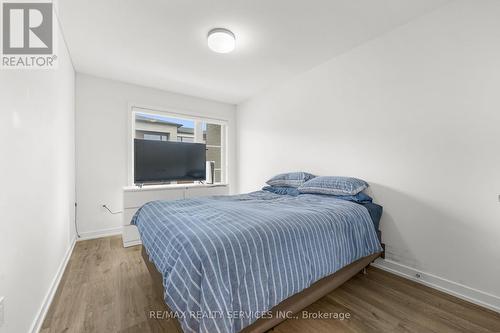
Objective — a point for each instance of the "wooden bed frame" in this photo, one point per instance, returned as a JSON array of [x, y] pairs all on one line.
[[292, 304]]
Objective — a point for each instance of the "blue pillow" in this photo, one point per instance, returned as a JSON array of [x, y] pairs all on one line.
[[359, 198], [282, 190], [290, 179], [334, 185]]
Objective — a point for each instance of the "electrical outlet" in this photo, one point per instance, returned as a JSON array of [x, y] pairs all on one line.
[[2, 299]]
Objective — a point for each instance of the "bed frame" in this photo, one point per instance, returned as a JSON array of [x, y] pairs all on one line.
[[293, 304]]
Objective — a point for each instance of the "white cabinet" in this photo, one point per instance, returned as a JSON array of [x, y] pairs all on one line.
[[193, 192], [130, 236], [134, 197], [137, 198]]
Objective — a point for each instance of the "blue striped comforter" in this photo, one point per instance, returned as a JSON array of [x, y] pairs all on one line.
[[226, 260]]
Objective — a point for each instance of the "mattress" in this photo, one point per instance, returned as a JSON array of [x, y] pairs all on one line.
[[227, 260]]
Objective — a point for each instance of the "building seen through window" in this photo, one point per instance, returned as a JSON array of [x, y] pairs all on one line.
[[149, 126]]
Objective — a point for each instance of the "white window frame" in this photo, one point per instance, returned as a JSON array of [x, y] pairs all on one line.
[[134, 108]]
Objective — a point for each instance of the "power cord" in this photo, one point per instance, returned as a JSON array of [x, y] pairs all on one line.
[[109, 210], [76, 224]]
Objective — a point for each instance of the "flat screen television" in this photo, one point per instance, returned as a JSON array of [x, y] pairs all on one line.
[[162, 161]]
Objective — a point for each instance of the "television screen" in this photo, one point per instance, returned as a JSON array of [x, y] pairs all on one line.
[[161, 161]]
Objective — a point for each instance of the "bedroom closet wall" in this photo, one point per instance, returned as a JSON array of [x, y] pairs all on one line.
[[415, 113]]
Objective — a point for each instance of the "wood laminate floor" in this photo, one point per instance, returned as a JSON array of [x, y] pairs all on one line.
[[107, 288]]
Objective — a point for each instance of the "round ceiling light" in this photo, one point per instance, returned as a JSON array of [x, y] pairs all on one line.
[[221, 40]]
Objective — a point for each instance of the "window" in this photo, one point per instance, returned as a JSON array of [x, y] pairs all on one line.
[[212, 137], [156, 136], [160, 126]]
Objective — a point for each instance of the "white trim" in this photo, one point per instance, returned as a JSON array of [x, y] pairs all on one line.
[[456, 289], [86, 235], [177, 113], [132, 243], [136, 188], [40, 317]]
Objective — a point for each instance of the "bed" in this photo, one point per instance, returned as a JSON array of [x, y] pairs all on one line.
[[231, 263]]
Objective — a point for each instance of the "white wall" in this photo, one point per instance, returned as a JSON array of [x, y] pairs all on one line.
[[37, 165], [416, 113], [102, 110]]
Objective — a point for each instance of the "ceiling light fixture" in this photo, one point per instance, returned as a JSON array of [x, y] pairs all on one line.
[[221, 40]]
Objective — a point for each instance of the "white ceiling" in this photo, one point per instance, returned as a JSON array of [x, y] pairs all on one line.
[[162, 44]]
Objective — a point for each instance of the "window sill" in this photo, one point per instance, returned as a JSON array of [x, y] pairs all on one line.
[[135, 188]]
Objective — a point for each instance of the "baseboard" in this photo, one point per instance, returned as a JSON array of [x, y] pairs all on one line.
[[132, 243], [37, 323], [100, 233], [469, 294]]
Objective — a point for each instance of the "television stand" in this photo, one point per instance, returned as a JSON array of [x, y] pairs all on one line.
[[137, 195]]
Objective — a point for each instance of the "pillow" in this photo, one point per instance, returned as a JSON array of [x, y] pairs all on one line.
[[334, 185], [282, 190], [359, 198], [290, 179]]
